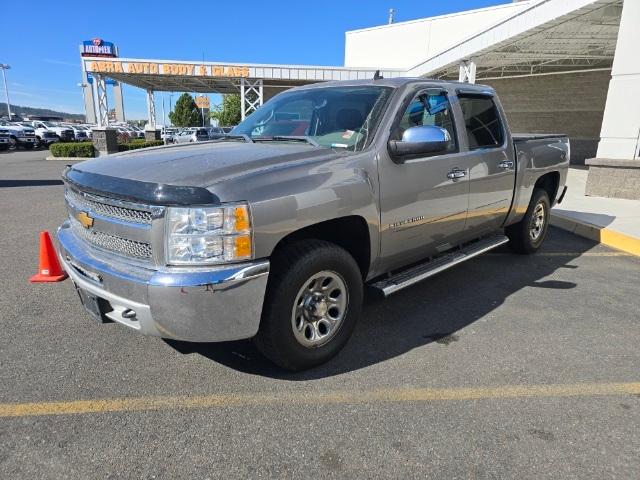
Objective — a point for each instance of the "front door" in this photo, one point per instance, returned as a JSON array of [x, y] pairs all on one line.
[[423, 209]]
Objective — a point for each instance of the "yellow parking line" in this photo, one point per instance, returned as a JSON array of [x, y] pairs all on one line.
[[311, 398], [570, 254]]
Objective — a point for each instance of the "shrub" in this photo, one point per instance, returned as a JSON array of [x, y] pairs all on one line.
[[134, 145], [79, 149]]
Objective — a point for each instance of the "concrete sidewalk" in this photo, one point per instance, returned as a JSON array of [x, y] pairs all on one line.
[[612, 221]]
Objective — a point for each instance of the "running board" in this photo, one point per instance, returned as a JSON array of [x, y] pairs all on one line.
[[417, 273]]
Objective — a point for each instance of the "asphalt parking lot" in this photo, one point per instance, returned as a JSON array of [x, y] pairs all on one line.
[[504, 367]]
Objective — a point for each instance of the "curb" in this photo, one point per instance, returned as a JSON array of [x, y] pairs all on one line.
[[605, 236], [69, 159]]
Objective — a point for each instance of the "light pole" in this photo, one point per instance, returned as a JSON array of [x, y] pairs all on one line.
[[84, 100], [4, 67]]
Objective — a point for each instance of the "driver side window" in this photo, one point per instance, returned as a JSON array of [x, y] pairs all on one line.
[[428, 108]]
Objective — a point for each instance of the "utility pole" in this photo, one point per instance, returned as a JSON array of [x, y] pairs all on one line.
[[391, 12], [4, 67]]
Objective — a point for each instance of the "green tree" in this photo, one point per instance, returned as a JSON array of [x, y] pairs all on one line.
[[228, 114], [186, 113]]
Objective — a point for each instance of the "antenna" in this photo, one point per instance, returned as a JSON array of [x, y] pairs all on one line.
[[377, 75], [391, 12]]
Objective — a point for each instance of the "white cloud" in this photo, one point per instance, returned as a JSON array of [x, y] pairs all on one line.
[[61, 62]]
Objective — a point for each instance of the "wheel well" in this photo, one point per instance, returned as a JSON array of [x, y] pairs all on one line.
[[549, 182], [350, 233]]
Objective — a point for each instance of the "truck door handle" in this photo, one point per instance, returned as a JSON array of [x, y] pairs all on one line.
[[506, 164], [455, 174]]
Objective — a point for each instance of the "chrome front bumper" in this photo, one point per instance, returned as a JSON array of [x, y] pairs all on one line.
[[212, 304]]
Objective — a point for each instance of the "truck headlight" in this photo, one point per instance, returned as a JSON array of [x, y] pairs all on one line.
[[208, 235]]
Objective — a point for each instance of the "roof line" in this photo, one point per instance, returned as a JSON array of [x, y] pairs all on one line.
[[502, 22], [252, 65], [438, 17]]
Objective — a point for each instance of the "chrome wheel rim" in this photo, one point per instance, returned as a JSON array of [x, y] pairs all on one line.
[[537, 222], [320, 308]]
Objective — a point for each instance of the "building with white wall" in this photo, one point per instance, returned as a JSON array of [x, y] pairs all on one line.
[[559, 66]]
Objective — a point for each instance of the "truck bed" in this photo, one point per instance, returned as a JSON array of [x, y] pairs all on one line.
[[523, 137]]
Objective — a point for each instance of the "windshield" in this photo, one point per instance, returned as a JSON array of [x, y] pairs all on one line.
[[336, 117]]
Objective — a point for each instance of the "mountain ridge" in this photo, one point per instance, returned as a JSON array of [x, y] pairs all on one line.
[[23, 110]]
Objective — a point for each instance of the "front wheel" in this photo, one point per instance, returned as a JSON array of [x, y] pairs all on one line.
[[528, 234], [312, 304]]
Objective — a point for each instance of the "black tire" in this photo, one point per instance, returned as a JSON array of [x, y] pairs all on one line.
[[527, 236], [292, 269], [4, 146]]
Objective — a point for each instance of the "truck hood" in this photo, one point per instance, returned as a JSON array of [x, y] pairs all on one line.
[[203, 164], [17, 129]]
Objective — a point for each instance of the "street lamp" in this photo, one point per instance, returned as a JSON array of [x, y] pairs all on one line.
[[84, 100], [4, 67]]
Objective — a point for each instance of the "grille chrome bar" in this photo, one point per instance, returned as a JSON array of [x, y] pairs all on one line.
[[110, 208], [122, 246]]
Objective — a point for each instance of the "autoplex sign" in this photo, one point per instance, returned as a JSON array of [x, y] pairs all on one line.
[[97, 48], [179, 69]]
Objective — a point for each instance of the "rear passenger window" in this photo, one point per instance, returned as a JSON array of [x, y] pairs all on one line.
[[482, 121]]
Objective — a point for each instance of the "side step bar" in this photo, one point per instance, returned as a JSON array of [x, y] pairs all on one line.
[[417, 273]]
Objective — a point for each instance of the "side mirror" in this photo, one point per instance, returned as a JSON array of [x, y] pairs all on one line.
[[420, 140]]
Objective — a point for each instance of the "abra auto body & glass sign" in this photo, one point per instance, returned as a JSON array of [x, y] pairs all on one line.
[[179, 69], [97, 48]]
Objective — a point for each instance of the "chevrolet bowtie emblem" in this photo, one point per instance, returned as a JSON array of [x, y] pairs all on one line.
[[85, 219]]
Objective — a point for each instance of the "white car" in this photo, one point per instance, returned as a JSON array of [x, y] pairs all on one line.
[[19, 135], [79, 133], [65, 134], [192, 135]]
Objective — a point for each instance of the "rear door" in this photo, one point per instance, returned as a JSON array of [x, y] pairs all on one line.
[[423, 209], [492, 162]]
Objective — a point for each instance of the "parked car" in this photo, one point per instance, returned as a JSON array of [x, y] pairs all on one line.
[[19, 135], [168, 134], [79, 133], [216, 132], [192, 135], [44, 136], [64, 134], [5, 139], [272, 234]]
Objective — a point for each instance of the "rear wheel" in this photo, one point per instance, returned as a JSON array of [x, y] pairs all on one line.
[[528, 235], [312, 304]]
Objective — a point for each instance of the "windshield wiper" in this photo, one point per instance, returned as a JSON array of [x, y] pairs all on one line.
[[288, 138]]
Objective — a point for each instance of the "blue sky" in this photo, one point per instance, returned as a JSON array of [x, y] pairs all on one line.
[[43, 51]]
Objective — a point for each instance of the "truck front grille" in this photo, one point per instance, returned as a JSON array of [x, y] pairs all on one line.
[[112, 243], [100, 206], [117, 226]]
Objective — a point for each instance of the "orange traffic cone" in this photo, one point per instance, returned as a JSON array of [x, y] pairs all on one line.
[[50, 269]]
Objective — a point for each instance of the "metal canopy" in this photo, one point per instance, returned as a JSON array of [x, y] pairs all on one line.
[[272, 76], [549, 36]]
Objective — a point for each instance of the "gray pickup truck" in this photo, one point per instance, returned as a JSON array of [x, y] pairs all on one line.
[[273, 232]]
